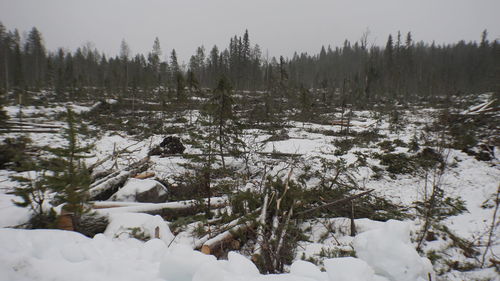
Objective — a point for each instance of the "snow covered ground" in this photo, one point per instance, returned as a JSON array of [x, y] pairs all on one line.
[[385, 253], [384, 250]]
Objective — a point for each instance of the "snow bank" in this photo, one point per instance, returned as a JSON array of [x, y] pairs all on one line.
[[307, 269], [350, 269], [182, 262], [389, 252], [123, 225], [58, 255], [384, 254]]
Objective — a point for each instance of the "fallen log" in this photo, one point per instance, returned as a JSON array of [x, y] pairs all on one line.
[[29, 124], [168, 211], [145, 175], [280, 154], [107, 186], [20, 130], [218, 245]]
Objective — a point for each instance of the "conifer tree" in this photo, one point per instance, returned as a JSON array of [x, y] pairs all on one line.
[[221, 108], [63, 174], [33, 193], [3, 115], [70, 178]]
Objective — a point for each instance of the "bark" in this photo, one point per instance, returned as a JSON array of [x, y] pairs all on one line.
[[107, 186], [168, 211], [218, 245]]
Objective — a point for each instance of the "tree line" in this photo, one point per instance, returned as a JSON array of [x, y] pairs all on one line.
[[403, 68]]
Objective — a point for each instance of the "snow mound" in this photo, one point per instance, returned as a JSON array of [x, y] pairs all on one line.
[[384, 254], [348, 269], [58, 255], [139, 190], [307, 269], [126, 225], [181, 262], [389, 252]]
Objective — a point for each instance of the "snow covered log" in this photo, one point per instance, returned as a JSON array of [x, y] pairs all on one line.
[[141, 190], [107, 186], [218, 245], [169, 210]]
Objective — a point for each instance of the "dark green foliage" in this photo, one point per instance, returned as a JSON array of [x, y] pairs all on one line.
[[362, 75], [386, 145], [414, 145], [428, 158], [42, 220], [33, 194], [13, 153], [245, 201], [3, 115], [397, 163], [70, 178], [441, 207], [342, 146], [63, 174]]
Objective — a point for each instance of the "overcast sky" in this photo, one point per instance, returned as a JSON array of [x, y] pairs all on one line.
[[278, 26]]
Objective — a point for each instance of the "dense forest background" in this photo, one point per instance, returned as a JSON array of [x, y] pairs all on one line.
[[403, 69]]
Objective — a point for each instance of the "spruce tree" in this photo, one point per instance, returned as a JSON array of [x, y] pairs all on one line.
[[3, 115], [69, 177], [221, 109], [33, 193], [63, 174]]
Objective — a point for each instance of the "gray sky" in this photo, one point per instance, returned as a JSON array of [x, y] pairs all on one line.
[[279, 26]]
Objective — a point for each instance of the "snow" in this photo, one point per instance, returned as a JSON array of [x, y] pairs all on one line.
[[133, 207], [181, 263], [135, 186], [307, 269], [379, 247], [121, 226], [348, 269], [69, 256], [64, 255], [382, 249]]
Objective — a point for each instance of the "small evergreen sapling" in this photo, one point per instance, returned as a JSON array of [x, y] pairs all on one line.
[[64, 174], [33, 194], [69, 177]]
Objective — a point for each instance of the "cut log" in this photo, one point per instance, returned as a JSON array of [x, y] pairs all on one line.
[[29, 124], [107, 186], [280, 154], [218, 245], [20, 130], [65, 221], [339, 123], [169, 210], [144, 175]]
